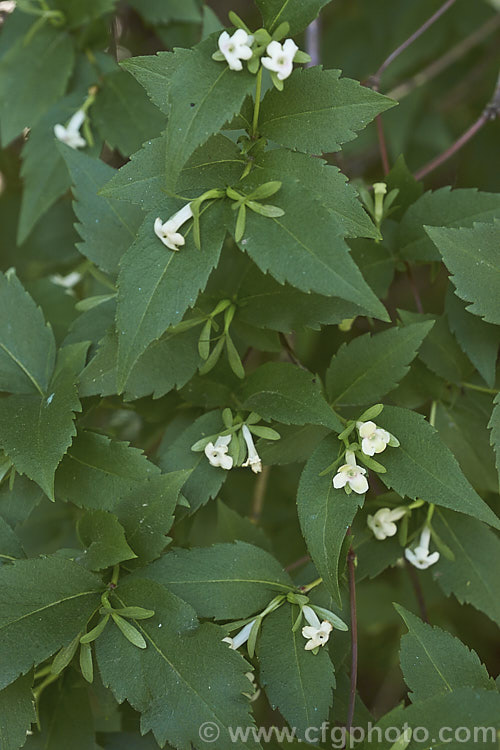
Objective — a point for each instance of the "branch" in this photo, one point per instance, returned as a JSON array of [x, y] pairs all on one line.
[[490, 112], [374, 81], [446, 60]]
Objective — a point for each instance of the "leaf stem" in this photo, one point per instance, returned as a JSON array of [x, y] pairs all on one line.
[[432, 415], [115, 576], [258, 91], [480, 388], [310, 586], [259, 494]]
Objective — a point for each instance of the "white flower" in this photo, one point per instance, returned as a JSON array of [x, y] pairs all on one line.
[[352, 474], [316, 632], [253, 459], [240, 638], [374, 439], [280, 60], [236, 48], [217, 454], [71, 134], [68, 281], [420, 557], [168, 232], [382, 523]]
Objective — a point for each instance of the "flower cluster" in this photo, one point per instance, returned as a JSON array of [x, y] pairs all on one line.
[[259, 48], [235, 446]]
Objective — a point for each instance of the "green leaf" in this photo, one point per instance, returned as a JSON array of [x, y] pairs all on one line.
[[296, 681], [288, 394], [157, 285], [27, 346], [169, 670], [226, 581], [303, 248], [131, 634], [17, 712], [148, 517], [78, 14], [442, 208], [410, 190], [318, 111], [99, 473], [27, 90], [434, 662], [123, 115], [104, 537], [175, 454], [37, 430], [471, 577], [479, 340], [46, 601], [142, 180], [325, 514], [154, 73], [368, 367], [10, 544], [424, 467], [298, 13], [326, 183], [494, 426], [107, 227], [472, 257], [440, 351], [215, 94], [17, 504]]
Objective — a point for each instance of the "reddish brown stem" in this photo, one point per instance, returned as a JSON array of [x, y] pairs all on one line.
[[351, 565], [414, 288], [384, 158], [489, 113], [297, 563], [375, 80]]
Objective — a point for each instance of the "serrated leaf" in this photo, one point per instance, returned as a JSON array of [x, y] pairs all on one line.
[[99, 472], [318, 111], [205, 480], [37, 430], [434, 662], [288, 394], [17, 712], [107, 227], [424, 467], [157, 285], [27, 346], [10, 544], [205, 94], [479, 340], [296, 681], [154, 73], [170, 669], [473, 259], [28, 90], [368, 367], [122, 113], [46, 601], [471, 577], [494, 426], [226, 581], [325, 514], [298, 13], [325, 182], [104, 538], [303, 248], [442, 208]]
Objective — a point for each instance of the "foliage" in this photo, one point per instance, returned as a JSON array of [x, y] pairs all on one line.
[[249, 389]]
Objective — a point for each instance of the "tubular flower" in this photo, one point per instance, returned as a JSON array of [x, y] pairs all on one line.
[[253, 459], [236, 48], [168, 232], [317, 633], [382, 523], [70, 135], [352, 475], [217, 454], [420, 557], [280, 60], [240, 638]]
